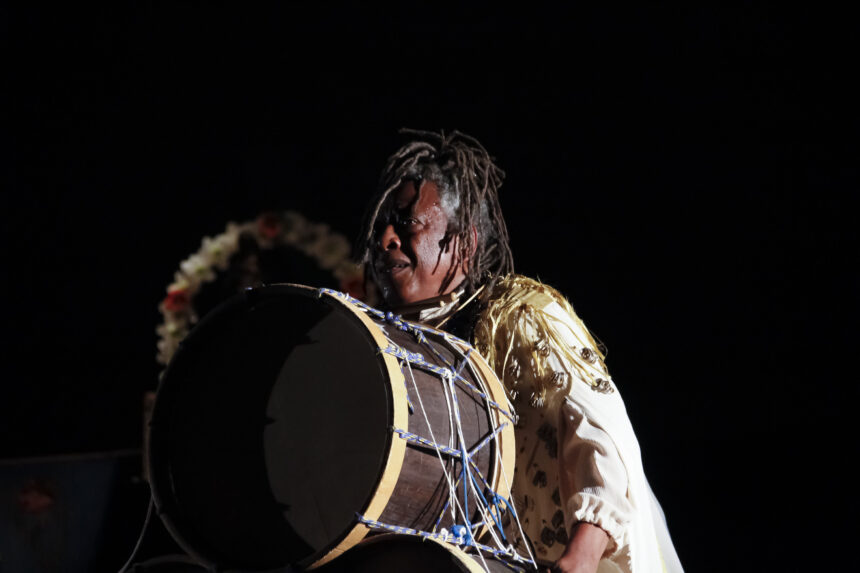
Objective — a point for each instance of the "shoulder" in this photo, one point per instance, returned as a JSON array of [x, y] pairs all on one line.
[[519, 289], [527, 324], [516, 300]]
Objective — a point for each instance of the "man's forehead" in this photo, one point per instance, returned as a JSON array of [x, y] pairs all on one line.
[[416, 194]]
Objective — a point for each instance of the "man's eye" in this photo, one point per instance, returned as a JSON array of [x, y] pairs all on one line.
[[406, 221]]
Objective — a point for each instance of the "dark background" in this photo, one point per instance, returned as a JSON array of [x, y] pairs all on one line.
[[683, 176]]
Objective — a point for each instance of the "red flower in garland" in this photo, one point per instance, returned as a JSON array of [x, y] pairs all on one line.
[[177, 300], [269, 225]]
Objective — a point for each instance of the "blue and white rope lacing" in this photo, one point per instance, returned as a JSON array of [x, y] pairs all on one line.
[[490, 510]]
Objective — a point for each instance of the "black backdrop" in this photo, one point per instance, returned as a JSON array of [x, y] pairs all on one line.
[[683, 176]]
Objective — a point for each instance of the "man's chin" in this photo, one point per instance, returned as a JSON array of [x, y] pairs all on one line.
[[398, 292], [391, 294]]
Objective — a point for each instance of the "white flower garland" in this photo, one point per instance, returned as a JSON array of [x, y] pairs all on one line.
[[330, 249]]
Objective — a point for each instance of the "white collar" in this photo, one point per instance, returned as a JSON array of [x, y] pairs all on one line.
[[431, 309]]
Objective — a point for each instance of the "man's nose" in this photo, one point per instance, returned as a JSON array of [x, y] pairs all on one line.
[[389, 241]]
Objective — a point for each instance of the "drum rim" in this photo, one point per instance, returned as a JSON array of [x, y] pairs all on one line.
[[378, 497], [506, 437], [399, 415]]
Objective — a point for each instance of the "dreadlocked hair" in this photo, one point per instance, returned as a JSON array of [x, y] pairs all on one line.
[[468, 183]]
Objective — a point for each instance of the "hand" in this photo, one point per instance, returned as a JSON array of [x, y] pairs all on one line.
[[584, 550]]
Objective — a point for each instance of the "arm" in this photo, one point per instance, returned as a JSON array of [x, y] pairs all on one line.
[[584, 550], [593, 485], [545, 354]]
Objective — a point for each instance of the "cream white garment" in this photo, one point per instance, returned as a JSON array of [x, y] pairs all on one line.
[[578, 458]]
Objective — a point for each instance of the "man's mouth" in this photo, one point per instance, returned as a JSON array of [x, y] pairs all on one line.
[[393, 266]]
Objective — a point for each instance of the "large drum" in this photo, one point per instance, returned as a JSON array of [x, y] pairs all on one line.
[[292, 422]]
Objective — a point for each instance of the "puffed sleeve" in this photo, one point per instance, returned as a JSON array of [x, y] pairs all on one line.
[[554, 370], [593, 481]]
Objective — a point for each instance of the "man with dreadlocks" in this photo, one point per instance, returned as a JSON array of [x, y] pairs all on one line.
[[437, 247]]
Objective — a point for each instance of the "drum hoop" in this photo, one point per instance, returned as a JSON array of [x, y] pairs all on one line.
[[507, 436], [397, 448]]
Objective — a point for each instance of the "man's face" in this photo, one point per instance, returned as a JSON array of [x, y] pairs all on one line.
[[411, 256]]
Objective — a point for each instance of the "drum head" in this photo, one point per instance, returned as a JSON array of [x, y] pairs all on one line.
[[270, 429]]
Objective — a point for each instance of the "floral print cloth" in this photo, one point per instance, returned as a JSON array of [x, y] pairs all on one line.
[[578, 459]]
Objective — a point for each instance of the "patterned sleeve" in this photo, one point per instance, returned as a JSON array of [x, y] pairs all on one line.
[[536, 343], [543, 350], [593, 480]]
